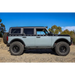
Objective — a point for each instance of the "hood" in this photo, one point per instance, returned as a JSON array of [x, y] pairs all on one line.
[[60, 35]]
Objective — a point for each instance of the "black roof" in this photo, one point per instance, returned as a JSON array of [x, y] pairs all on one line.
[[30, 27]]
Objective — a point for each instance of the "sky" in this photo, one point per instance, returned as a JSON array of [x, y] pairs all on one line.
[[64, 20]]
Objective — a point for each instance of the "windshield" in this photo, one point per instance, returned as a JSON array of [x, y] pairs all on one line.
[[47, 31]]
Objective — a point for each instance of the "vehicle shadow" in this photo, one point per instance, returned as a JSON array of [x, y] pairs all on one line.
[[40, 51]]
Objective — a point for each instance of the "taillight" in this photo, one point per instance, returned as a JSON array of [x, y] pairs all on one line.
[[7, 38]]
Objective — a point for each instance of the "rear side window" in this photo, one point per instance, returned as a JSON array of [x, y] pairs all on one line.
[[29, 31], [16, 30]]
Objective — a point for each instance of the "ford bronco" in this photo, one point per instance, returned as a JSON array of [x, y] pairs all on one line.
[[20, 38]]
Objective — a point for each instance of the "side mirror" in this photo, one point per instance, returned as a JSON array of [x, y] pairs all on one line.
[[50, 33]]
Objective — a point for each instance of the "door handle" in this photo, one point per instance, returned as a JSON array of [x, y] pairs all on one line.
[[24, 37], [38, 37]]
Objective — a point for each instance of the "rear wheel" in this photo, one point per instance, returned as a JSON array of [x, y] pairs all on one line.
[[16, 48], [62, 48]]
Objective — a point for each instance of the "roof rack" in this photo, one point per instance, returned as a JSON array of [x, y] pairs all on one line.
[[30, 26]]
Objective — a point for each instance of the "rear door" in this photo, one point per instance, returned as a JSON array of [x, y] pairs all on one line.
[[28, 38]]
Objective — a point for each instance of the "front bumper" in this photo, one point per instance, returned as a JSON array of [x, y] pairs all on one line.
[[71, 42]]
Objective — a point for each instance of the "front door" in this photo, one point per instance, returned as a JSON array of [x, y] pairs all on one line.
[[42, 38]]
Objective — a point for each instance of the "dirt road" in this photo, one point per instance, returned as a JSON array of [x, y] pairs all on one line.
[[38, 55]]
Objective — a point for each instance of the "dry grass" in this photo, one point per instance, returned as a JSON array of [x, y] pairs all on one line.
[[73, 36], [44, 55], [1, 40]]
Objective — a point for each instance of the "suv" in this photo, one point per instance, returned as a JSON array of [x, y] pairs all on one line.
[[20, 38]]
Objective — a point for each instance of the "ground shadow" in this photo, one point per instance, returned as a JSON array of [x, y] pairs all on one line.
[[40, 51]]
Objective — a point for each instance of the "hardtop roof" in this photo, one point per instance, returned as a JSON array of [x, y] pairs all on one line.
[[30, 27]]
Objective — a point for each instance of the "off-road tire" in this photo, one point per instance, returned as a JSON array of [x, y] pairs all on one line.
[[5, 38], [58, 49], [20, 48]]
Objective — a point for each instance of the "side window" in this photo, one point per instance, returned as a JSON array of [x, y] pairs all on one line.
[[28, 31], [16, 30], [40, 32]]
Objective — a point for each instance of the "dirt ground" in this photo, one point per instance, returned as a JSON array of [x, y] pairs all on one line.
[[38, 55]]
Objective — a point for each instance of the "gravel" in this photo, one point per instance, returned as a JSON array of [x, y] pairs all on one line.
[[36, 55]]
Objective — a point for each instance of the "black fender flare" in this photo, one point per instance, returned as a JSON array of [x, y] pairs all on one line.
[[17, 40], [60, 40]]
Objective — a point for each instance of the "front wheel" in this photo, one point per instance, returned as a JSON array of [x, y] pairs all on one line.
[[62, 48], [16, 48]]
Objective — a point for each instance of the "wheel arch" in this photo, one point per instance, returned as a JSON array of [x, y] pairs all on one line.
[[61, 40], [17, 40]]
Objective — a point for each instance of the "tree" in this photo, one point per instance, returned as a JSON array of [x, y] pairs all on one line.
[[54, 29], [2, 28], [0, 20], [68, 32], [74, 31]]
